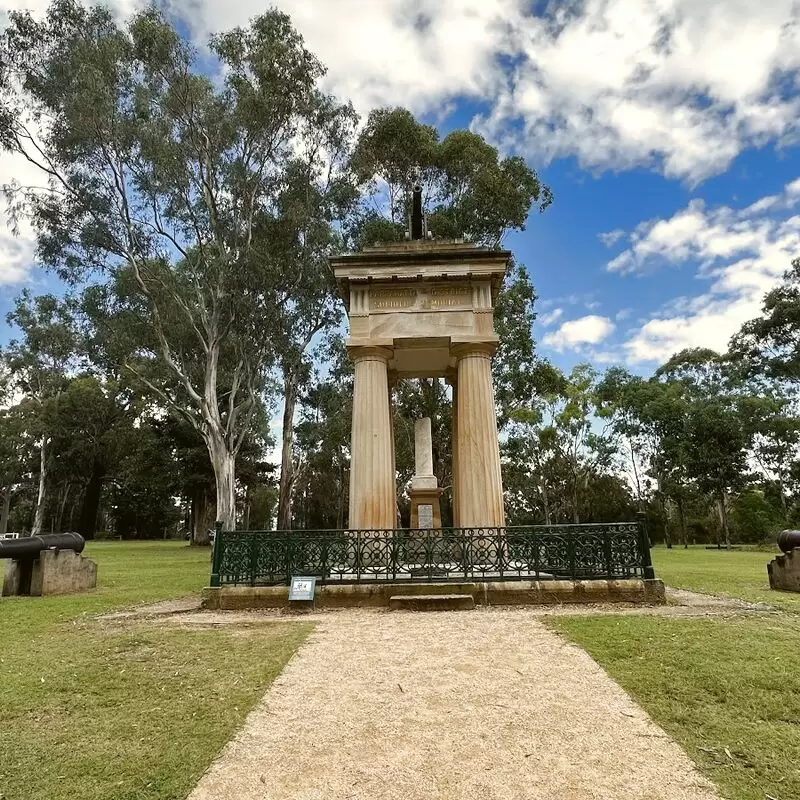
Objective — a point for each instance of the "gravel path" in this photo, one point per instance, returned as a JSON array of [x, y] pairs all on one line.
[[483, 705]]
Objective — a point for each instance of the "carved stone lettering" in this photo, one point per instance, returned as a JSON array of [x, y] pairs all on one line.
[[449, 297], [425, 513], [392, 298]]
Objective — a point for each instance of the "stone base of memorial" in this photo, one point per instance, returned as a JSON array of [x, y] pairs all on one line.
[[491, 593], [425, 508]]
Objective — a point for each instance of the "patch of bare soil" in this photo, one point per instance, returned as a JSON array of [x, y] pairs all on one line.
[[182, 605]]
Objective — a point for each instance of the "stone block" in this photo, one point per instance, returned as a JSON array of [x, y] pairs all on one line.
[[784, 571], [12, 578], [431, 602], [62, 572]]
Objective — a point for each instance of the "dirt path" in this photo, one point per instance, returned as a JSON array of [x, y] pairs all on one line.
[[485, 705]]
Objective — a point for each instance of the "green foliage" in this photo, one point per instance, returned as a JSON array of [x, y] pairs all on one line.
[[468, 191], [206, 207], [754, 518], [770, 344], [559, 464]]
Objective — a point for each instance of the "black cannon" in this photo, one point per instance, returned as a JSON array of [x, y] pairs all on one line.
[[788, 540], [48, 564], [31, 546]]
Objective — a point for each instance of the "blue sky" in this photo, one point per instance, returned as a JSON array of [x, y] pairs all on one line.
[[667, 130]]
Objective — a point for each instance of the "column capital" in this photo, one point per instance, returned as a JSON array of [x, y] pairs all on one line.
[[473, 349], [369, 353]]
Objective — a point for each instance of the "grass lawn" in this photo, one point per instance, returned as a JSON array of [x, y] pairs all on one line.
[[734, 573], [94, 710], [727, 689]]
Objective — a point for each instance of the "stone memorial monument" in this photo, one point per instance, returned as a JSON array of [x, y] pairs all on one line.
[[423, 308], [425, 492]]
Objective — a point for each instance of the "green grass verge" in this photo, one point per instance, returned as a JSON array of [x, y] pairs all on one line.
[[95, 710], [727, 690], [732, 573]]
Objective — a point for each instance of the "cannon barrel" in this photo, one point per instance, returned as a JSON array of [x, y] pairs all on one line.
[[31, 546], [788, 540]]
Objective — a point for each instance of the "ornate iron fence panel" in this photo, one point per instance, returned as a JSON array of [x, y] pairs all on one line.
[[555, 552]]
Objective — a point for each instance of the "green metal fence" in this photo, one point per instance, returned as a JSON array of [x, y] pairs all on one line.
[[559, 552]]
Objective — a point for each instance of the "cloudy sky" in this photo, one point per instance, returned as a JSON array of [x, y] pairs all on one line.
[[667, 130]]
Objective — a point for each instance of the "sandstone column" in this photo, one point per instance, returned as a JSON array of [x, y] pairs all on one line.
[[478, 483], [392, 380], [453, 381], [372, 477]]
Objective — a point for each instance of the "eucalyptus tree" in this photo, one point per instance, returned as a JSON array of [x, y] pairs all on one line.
[[770, 343], [717, 414], [468, 190], [161, 180], [39, 361], [316, 195], [15, 455]]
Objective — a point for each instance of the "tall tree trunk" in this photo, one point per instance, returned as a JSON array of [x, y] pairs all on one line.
[[342, 500], [682, 520], [287, 438], [576, 518], [723, 515], [6, 509], [38, 517], [201, 517], [545, 501], [87, 522], [247, 505], [62, 506], [224, 463], [784, 505], [639, 501]]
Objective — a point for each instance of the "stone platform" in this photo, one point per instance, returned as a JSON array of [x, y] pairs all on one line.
[[52, 572], [489, 593], [784, 571]]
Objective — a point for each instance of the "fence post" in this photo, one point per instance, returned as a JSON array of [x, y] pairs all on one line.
[[216, 554], [607, 553], [644, 546]]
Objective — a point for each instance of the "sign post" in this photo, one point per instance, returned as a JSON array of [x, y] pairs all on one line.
[[301, 589]]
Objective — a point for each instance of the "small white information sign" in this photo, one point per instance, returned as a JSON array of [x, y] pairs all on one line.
[[302, 588]]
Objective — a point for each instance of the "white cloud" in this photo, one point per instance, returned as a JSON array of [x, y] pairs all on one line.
[[740, 253], [610, 238], [16, 248], [683, 85], [679, 85], [576, 332], [417, 53], [708, 235], [550, 317]]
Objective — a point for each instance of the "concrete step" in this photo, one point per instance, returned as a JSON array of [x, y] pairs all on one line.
[[431, 602]]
